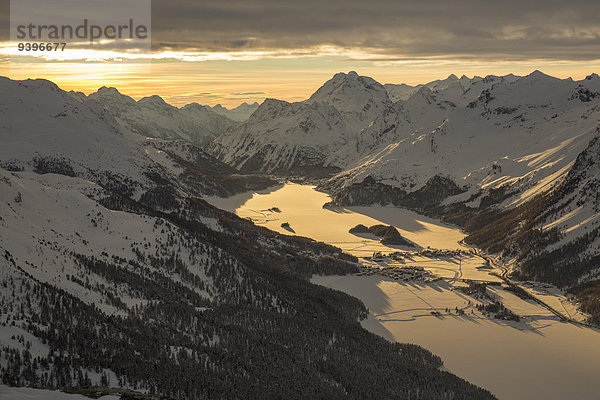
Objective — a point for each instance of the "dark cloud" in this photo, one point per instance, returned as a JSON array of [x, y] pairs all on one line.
[[391, 29], [4, 20], [464, 29]]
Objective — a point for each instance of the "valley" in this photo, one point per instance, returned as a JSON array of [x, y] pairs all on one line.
[[429, 297]]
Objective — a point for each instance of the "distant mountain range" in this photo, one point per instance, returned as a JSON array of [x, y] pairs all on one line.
[[238, 114], [153, 117]]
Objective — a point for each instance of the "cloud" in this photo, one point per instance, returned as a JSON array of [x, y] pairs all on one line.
[[389, 30], [247, 94], [394, 29]]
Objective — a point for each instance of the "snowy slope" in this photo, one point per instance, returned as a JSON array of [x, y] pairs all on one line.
[[400, 91], [286, 136], [80, 139], [517, 165], [359, 99], [283, 136], [475, 143], [14, 393]]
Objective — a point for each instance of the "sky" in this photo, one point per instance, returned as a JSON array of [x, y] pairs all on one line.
[[231, 51]]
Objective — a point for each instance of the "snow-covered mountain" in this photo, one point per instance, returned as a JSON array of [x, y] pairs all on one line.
[[479, 132], [282, 136], [83, 139], [514, 131], [238, 114], [115, 272], [400, 91], [153, 117], [344, 123], [512, 160]]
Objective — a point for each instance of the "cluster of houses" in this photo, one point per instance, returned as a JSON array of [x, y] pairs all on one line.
[[404, 273]]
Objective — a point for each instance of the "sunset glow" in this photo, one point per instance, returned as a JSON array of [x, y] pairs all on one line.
[[232, 78]]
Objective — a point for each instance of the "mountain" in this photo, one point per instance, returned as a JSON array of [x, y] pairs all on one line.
[[153, 117], [514, 131], [344, 123], [84, 140], [238, 114], [115, 272], [282, 136], [359, 98]]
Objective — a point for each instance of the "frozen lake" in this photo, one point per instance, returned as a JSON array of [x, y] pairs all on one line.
[[538, 357], [302, 207]]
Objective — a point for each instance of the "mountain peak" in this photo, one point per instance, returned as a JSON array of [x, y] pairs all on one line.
[[592, 77], [269, 101], [108, 90], [350, 92], [111, 98], [34, 83], [195, 106], [342, 76], [154, 100], [538, 74]]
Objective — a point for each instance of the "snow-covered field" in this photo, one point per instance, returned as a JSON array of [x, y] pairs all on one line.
[[538, 357], [11, 393]]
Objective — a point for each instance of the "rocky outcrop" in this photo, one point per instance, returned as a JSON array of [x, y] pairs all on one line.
[[389, 235]]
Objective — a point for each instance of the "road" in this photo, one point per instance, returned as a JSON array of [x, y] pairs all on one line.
[[504, 276]]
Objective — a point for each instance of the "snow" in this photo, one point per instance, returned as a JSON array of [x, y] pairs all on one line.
[[52, 220], [538, 358], [162, 158], [63, 128], [285, 134], [238, 114], [400, 92], [419, 139], [13, 393], [523, 133], [37, 348]]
